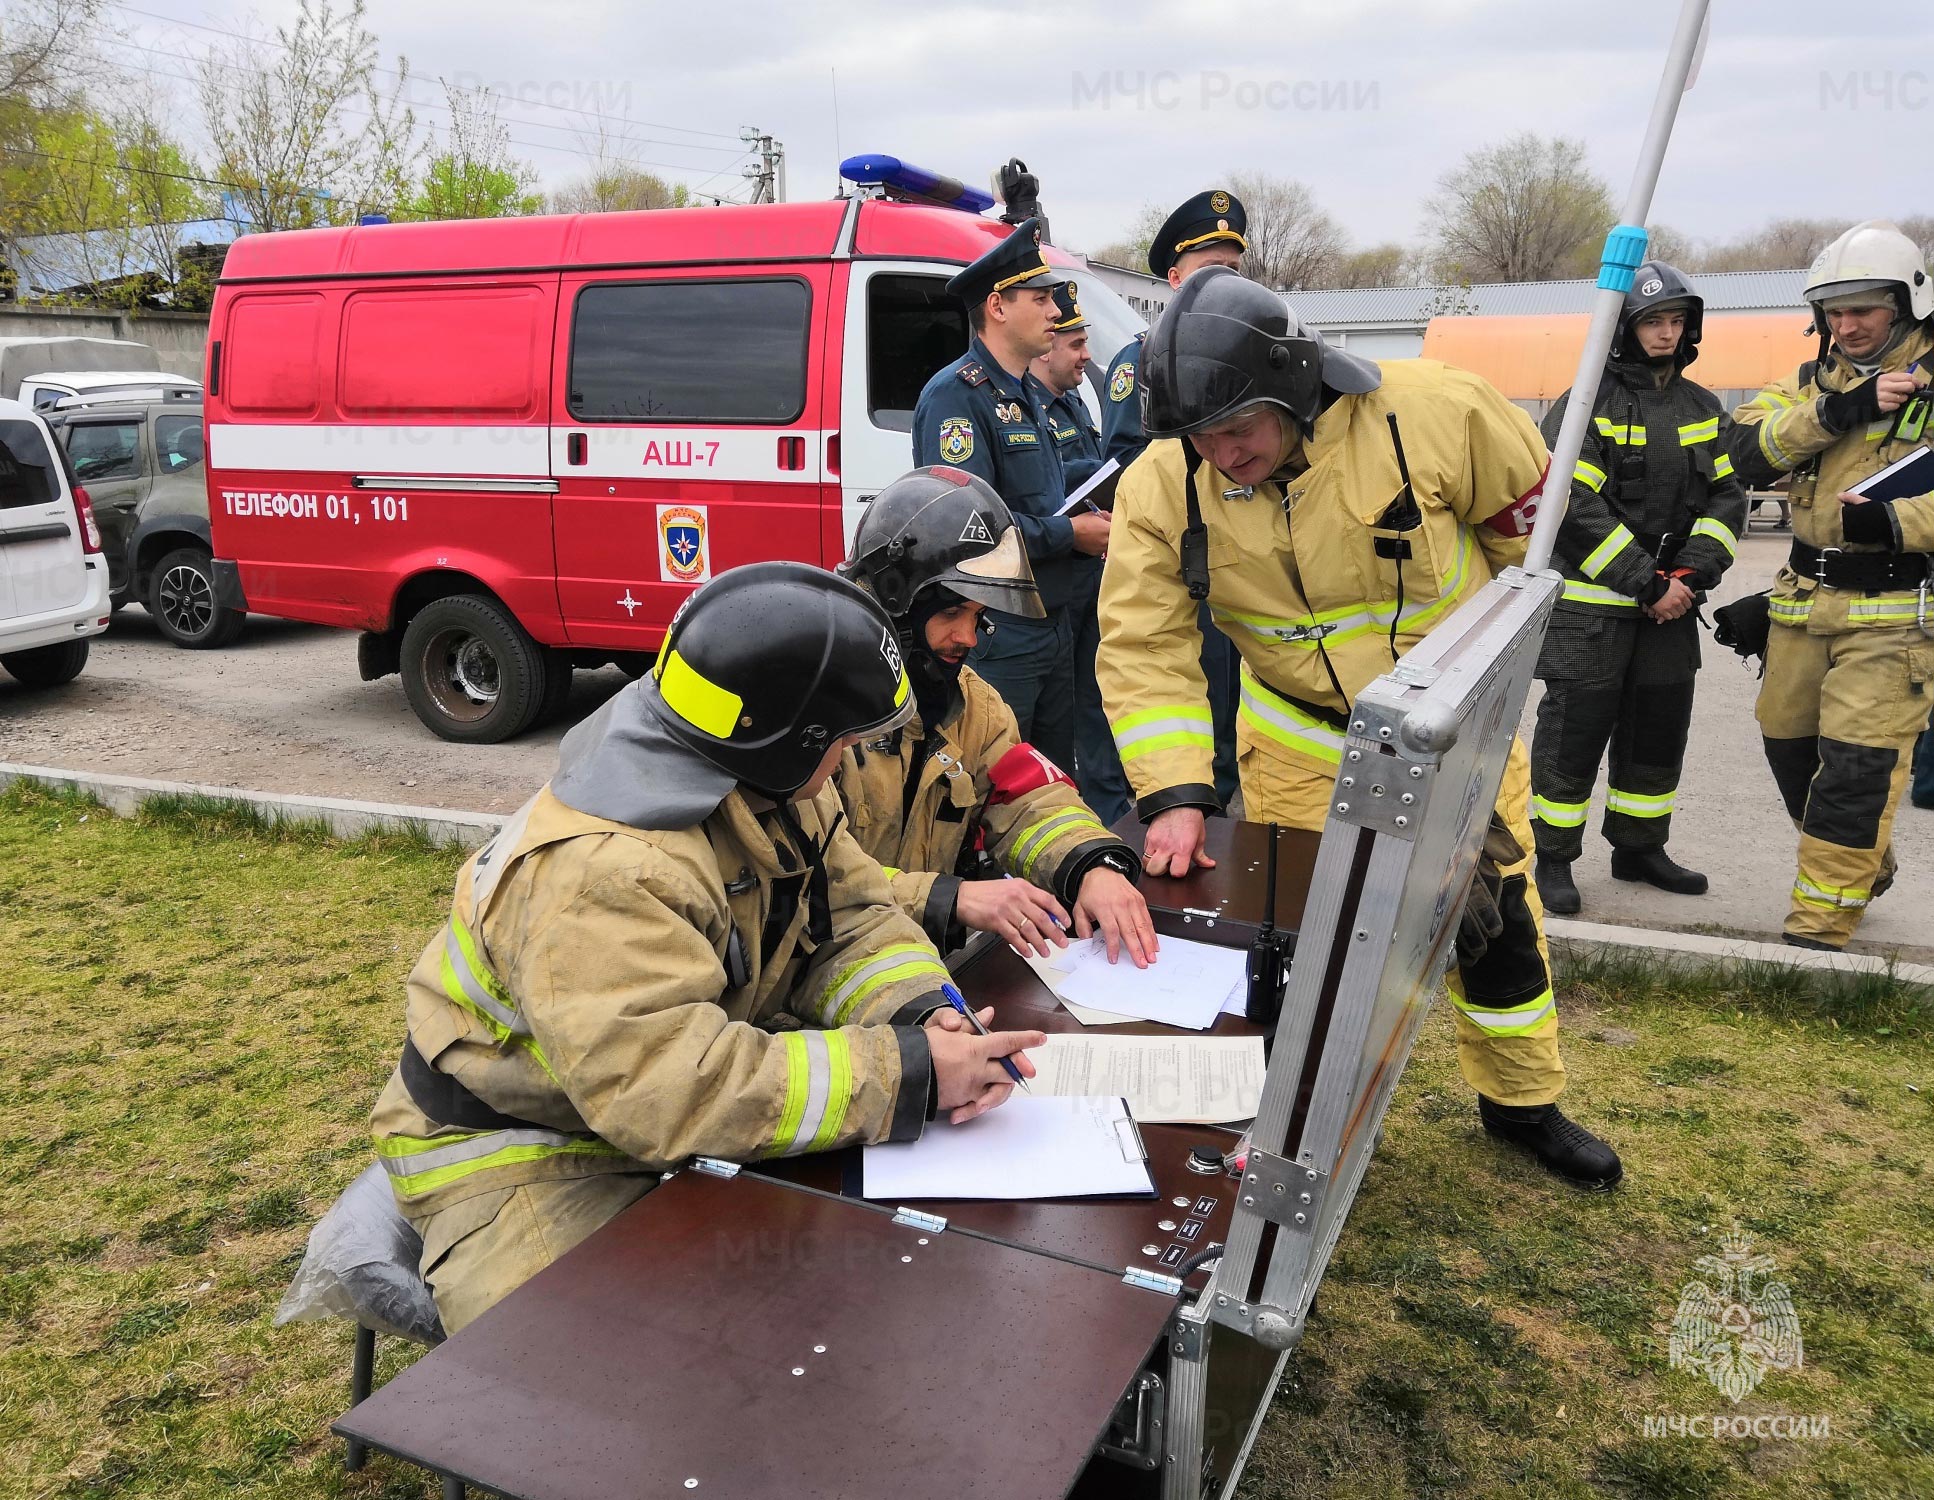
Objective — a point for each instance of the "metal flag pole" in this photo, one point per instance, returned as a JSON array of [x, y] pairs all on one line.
[[1624, 250]]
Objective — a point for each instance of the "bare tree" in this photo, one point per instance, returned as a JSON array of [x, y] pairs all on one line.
[[1131, 250], [278, 119], [614, 188], [475, 176], [1527, 210], [1375, 265], [1665, 243], [1292, 242], [1920, 229]]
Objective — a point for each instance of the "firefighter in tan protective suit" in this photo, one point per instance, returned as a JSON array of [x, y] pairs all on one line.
[[1332, 513], [977, 828], [675, 949], [1849, 658]]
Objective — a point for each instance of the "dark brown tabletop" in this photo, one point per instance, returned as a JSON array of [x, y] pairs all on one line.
[[1233, 889], [764, 1341]]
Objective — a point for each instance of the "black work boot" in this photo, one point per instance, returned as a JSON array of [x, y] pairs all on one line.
[[1555, 887], [1656, 867], [1561, 1144]]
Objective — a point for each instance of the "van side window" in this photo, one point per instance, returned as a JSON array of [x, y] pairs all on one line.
[[105, 450], [690, 351], [913, 327], [26, 467]]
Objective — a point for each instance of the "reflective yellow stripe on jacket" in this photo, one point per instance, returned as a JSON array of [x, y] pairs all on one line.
[[847, 990], [1279, 720], [1149, 730], [819, 1086], [417, 1165], [468, 981], [1601, 556], [1719, 531], [1033, 840]]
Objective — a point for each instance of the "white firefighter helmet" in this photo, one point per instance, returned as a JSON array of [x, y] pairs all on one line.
[[1872, 256]]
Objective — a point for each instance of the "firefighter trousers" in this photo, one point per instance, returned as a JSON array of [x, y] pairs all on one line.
[[478, 1251], [1840, 713], [1623, 681], [1507, 1018]]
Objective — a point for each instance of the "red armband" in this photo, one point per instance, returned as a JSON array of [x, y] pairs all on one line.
[[1022, 770], [1516, 518]]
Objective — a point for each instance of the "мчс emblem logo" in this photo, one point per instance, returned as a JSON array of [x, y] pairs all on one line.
[[1737, 1324], [684, 551], [956, 440], [1121, 382]]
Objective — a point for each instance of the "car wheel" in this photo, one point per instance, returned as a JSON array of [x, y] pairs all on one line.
[[557, 688], [181, 597], [471, 672], [47, 666]]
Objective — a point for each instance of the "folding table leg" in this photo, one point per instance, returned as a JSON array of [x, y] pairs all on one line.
[[362, 1371]]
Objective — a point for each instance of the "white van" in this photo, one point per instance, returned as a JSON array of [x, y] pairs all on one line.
[[53, 576]]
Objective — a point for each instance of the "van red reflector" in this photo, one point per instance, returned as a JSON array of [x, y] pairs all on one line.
[[84, 514]]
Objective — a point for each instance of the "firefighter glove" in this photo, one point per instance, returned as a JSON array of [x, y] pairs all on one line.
[[1483, 916], [1868, 525], [1845, 410]]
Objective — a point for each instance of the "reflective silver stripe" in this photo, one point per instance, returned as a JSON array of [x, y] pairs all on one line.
[[494, 858], [819, 1076], [870, 974], [415, 1163], [1505, 1020], [474, 990], [1719, 531], [1284, 722], [1176, 721], [1600, 556]]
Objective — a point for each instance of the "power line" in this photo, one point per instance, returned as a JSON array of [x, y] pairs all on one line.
[[392, 73], [364, 114]]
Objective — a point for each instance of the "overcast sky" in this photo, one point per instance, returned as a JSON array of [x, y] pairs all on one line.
[[1802, 108]]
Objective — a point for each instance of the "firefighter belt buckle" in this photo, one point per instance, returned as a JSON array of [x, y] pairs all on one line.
[[1823, 568], [1920, 608]]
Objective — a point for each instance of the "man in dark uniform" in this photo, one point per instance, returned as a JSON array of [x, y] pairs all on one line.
[[1654, 521], [1208, 230], [987, 414], [1076, 438]]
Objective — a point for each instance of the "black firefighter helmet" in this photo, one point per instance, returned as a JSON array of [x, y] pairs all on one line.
[[942, 526], [1655, 287], [769, 664], [1225, 343]]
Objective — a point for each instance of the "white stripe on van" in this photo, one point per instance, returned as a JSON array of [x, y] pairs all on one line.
[[291, 448], [732, 455]]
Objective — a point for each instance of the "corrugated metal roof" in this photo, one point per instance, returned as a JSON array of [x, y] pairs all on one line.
[[1383, 306]]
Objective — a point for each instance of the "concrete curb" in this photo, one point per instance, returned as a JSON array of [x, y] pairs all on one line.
[[1692, 950], [341, 816], [1569, 939]]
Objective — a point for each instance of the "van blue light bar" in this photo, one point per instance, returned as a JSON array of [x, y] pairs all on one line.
[[902, 179]]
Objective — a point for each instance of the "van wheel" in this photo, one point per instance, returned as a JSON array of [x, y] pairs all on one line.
[[557, 688], [47, 666], [181, 597], [471, 672]]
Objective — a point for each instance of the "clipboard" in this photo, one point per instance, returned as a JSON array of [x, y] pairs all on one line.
[[1097, 492]]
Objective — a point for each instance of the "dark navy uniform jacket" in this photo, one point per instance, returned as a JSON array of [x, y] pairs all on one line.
[[975, 416], [1121, 407], [1076, 438]]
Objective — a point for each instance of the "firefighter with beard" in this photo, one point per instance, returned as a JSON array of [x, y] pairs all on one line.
[[978, 830], [1286, 506], [1849, 655], [1653, 523]]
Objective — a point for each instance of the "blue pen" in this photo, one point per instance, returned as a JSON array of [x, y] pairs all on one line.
[[1051, 916], [959, 1003]]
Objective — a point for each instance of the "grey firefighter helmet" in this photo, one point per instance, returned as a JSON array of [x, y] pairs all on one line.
[[769, 664], [1658, 287], [1224, 344], [942, 527]]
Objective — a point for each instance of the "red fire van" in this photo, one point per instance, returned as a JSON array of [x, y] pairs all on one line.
[[505, 448]]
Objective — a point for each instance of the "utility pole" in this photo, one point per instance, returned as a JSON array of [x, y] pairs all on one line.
[[768, 175]]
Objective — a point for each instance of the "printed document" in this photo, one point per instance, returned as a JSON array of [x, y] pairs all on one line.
[[1030, 1147], [1188, 985], [1183, 1080]]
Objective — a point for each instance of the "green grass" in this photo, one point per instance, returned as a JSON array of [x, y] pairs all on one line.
[[197, 1007]]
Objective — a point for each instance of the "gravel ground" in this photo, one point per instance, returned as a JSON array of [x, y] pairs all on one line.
[[282, 710]]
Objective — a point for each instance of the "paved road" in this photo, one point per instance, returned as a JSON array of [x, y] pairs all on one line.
[[283, 710]]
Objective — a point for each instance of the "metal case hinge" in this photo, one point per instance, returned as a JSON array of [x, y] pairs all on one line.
[[1153, 1281], [1282, 1191], [912, 1218], [713, 1167], [1135, 1433]]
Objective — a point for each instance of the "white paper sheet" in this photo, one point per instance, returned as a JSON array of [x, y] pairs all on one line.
[[1199, 1080], [1188, 985], [1030, 1147]]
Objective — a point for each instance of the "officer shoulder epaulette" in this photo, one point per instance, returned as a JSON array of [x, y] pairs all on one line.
[[973, 374]]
